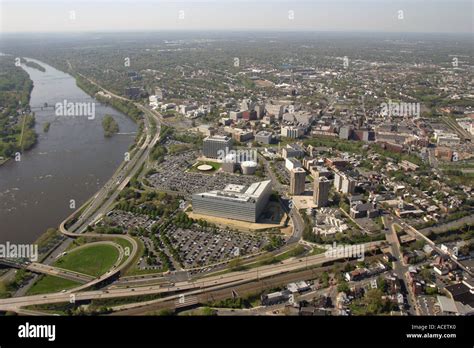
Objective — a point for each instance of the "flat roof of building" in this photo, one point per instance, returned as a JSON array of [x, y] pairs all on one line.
[[239, 193], [218, 138]]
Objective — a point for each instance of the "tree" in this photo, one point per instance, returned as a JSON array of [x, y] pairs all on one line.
[[343, 287], [110, 126]]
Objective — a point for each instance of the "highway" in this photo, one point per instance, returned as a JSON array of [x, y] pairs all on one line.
[[94, 209], [59, 272], [193, 286]]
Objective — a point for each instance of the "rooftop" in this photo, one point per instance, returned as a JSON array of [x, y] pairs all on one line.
[[240, 193]]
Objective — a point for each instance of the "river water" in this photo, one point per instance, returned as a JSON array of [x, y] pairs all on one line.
[[70, 162]]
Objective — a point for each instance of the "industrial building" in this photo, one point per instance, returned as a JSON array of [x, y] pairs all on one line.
[[234, 201]]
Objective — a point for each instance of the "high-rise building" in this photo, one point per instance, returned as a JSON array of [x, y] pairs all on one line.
[[273, 109], [344, 183], [321, 191], [337, 180], [216, 146], [297, 181], [260, 110], [348, 185]]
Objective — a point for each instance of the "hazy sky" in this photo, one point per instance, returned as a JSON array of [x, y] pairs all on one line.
[[325, 15]]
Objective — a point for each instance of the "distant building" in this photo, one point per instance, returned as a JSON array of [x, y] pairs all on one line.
[[260, 110], [241, 135], [345, 132], [264, 137], [318, 171], [235, 115], [184, 109], [444, 153], [363, 135], [292, 163], [321, 191], [132, 92], [344, 183], [297, 181], [292, 132], [448, 140], [159, 93], [408, 166], [360, 210], [337, 163], [213, 146], [249, 115], [247, 104], [234, 202], [292, 150], [206, 130], [268, 119], [274, 109], [348, 185]]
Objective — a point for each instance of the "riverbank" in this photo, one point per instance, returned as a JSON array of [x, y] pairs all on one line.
[[3, 161], [68, 164], [17, 122]]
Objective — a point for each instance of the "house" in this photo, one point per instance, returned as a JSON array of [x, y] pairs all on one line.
[[357, 274]]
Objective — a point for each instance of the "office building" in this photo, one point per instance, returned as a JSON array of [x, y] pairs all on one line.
[[292, 132], [216, 146], [235, 202], [292, 150], [264, 137]]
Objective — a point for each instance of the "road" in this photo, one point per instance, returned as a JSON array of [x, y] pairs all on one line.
[[298, 223], [418, 235], [93, 210], [59, 272], [192, 286], [399, 266]]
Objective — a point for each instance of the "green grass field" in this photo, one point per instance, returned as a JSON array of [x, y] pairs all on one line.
[[94, 260], [49, 284], [215, 166]]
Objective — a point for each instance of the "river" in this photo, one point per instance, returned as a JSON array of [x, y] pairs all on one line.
[[70, 162]]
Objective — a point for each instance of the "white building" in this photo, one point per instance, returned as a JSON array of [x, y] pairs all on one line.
[[292, 132]]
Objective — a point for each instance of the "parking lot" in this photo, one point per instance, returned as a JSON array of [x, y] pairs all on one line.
[[171, 175], [127, 220], [282, 172], [142, 263], [201, 247]]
